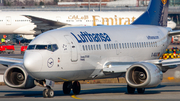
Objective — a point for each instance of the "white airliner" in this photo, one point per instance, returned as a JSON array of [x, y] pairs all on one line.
[[85, 53], [36, 22]]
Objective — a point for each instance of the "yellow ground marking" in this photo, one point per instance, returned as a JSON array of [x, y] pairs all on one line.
[[74, 96]]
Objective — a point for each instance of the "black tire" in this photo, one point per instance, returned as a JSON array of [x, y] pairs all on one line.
[[50, 93], [76, 87], [130, 89], [45, 95], [67, 87], [141, 90]]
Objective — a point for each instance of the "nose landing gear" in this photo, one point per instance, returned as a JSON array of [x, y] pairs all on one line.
[[67, 86], [48, 93]]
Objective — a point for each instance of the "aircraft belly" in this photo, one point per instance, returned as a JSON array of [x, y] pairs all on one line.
[[61, 76]]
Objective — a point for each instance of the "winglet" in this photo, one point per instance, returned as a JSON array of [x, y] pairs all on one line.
[[156, 14]]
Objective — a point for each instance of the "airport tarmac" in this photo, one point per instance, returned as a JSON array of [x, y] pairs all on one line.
[[95, 92]]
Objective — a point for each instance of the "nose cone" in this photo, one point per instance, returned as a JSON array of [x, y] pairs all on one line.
[[32, 61]]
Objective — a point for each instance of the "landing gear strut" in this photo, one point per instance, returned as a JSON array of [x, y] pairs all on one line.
[[48, 93], [67, 86], [131, 90]]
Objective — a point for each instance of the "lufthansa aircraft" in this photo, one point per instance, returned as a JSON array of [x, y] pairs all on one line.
[[84, 53]]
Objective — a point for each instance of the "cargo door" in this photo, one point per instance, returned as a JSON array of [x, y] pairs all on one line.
[[73, 49]]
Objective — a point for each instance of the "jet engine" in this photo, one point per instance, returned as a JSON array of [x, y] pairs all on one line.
[[16, 77], [143, 75]]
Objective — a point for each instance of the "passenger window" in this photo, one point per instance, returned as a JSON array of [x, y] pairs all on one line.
[[89, 47], [134, 45], [139, 45], [99, 47], [127, 45], [83, 47], [130, 45], [92, 47], [109, 46], [86, 47], [147, 44], [105, 46], [144, 44], [122, 45], [112, 46], [119, 45]]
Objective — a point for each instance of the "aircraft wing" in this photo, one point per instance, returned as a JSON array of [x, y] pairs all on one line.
[[172, 33], [10, 61], [117, 67], [45, 24]]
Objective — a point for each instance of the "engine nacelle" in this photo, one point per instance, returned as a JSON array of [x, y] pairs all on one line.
[[16, 77], [143, 75]]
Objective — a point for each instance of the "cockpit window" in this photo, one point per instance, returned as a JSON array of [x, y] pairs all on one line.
[[50, 47], [31, 47], [41, 47]]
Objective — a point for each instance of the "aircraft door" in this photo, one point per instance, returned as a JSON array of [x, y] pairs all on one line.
[[8, 20], [73, 49]]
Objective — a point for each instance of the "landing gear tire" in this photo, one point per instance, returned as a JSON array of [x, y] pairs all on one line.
[[67, 87], [45, 93], [130, 90], [76, 87], [141, 90], [48, 93]]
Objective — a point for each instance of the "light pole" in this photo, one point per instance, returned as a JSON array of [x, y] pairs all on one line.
[[89, 4]]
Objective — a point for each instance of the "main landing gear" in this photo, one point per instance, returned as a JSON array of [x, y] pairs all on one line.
[[131, 90], [67, 86]]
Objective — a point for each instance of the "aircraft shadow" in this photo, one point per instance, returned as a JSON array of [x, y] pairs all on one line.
[[112, 89]]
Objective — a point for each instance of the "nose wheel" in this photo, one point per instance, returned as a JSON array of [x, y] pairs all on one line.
[[48, 93]]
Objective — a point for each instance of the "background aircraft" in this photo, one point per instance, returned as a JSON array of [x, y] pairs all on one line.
[[35, 22], [84, 53]]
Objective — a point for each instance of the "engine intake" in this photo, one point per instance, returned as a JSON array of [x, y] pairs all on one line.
[[16, 77], [143, 75]]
